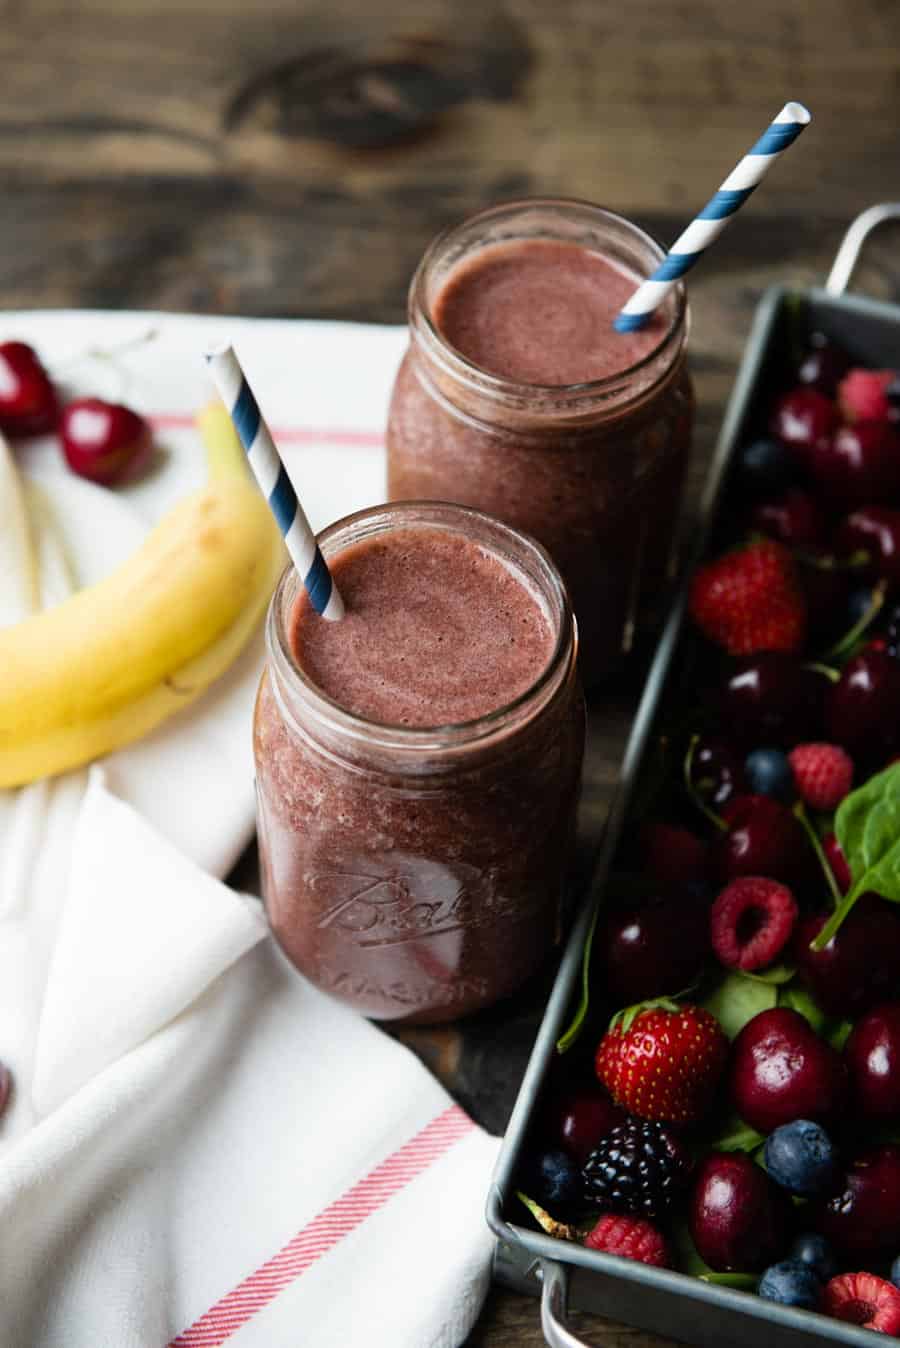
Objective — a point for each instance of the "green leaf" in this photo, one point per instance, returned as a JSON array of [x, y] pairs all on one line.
[[797, 998], [686, 1257], [838, 1033], [737, 1136], [777, 974], [738, 999], [867, 825]]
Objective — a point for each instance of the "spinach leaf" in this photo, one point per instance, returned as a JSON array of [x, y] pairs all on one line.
[[737, 1136], [776, 973], [867, 825]]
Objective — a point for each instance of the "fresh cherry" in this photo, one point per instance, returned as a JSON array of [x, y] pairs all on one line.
[[858, 465], [834, 855], [653, 948], [823, 366], [769, 698], [862, 1217], [872, 1055], [28, 403], [674, 858], [579, 1118], [738, 1218], [859, 966], [803, 419], [781, 1070], [763, 838], [862, 710], [105, 442], [717, 772], [874, 530], [795, 518]]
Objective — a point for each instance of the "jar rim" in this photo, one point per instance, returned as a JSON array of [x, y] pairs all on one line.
[[476, 376], [419, 739]]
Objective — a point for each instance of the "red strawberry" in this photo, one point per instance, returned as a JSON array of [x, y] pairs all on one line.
[[823, 774], [664, 1062], [862, 395], [751, 922], [750, 600], [630, 1238], [863, 1299]]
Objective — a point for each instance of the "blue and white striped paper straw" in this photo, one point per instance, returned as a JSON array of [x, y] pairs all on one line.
[[274, 482], [705, 228]]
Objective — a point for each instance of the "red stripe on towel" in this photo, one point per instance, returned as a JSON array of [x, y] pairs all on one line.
[[287, 435], [325, 1231]]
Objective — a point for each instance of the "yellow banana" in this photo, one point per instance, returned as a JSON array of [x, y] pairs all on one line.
[[117, 658]]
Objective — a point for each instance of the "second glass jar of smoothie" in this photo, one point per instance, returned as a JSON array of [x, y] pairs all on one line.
[[418, 763], [517, 397]]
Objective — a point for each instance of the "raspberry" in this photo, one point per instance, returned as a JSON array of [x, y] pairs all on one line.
[[638, 1167], [863, 1299], [823, 774], [631, 1238], [862, 395], [751, 922]]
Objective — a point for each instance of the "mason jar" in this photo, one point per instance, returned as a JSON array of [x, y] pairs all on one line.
[[417, 872], [592, 470]]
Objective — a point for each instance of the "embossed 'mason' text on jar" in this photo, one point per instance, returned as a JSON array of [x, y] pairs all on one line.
[[417, 872]]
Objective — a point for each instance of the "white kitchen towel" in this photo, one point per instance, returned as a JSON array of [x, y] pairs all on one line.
[[201, 1149]]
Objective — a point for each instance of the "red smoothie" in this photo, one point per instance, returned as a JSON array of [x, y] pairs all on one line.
[[541, 311], [418, 763], [518, 397]]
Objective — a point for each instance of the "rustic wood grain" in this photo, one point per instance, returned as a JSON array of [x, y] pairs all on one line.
[[290, 158]]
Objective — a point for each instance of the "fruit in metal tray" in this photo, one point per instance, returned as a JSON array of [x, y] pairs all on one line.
[[103, 668]]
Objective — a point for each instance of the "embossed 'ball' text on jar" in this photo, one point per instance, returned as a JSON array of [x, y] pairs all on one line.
[[417, 872], [593, 469]]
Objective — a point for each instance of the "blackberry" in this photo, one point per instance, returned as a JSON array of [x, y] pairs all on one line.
[[639, 1167]]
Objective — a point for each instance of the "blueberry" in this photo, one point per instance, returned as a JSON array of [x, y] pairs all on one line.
[[768, 773], [894, 1274], [814, 1251], [557, 1179], [800, 1156], [791, 1283], [766, 467], [859, 602]]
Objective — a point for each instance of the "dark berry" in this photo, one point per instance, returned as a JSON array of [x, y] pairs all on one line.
[[794, 518], [640, 1167], [814, 1251], [803, 419], [872, 534], [857, 466], [751, 922], [769, 698], [791, 1283], [716, 772], [763, 838], [860, 965], [655, 947], [577, 1119], [556, 1180], [800, 1156], [765, 467], [823, 366], [862, 710], [768, 773]]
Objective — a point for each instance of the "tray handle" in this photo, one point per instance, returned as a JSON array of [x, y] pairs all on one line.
[[851, 246], [554, 1305]]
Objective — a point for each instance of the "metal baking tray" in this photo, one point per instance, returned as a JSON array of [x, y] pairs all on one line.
[[665, 1302]]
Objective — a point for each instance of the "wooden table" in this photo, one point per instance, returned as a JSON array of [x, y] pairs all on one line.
[[294, 159]]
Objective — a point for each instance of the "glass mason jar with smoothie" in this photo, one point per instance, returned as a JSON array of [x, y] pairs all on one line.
[[517, 397], [418, 763]]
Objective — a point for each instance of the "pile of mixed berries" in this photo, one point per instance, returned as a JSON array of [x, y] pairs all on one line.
[[738, 1113]]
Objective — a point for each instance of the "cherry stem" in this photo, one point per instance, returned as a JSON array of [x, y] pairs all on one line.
[[692, 791], [833, 675], [849, 639], [803, 819]]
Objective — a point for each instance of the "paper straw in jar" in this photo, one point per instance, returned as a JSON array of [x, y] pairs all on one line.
[[705, 228], [271, 474]]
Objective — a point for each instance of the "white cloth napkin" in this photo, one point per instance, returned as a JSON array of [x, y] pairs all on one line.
[[201, 1149]]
